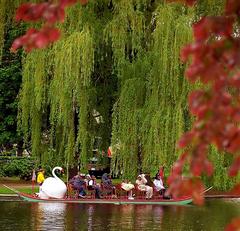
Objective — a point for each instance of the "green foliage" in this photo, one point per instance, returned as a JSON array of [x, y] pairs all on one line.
[[10, 80], [16, 166], [7, 10]]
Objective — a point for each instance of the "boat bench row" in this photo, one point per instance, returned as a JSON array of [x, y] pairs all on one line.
[[109, 194]]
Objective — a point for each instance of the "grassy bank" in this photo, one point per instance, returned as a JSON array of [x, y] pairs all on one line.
[[4, 190], [17, 184]]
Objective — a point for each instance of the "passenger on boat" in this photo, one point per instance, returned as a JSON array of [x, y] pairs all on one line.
[[78, 184], [128, 186], [158, 184], [149, 180], [40, 179], [160, 173], [92, 185], [107, 184], [142, 186]]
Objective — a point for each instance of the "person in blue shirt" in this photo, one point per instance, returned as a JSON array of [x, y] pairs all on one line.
[[78, 183]]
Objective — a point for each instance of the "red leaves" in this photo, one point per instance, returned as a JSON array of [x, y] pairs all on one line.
[[36, 39], [217, 26], [30, 11], [235, 80], [234, 225], [236, 114], [235, 167], [215, 56], [178, 166], [182, 187], [47, 12], [200, 164], [198, 103], [234, 145], [185, 140], [232, 7], [179, 186], [215, 49], [236, 190]]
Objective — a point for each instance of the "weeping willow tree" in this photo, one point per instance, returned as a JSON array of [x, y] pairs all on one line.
[[168, 89], [118, 59], [149, 115], [151, 112], [54, 100], [127, 35], [61, 93]]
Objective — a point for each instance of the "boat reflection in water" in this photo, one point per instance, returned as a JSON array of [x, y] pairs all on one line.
[[61, 216], [90, 211], [49, 216]]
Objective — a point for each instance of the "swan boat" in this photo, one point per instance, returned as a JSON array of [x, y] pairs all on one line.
[[179, 201], [54, 190]]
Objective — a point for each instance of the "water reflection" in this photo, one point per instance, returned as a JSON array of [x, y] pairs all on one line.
[[57, 216], [48, 216], [90, 211]]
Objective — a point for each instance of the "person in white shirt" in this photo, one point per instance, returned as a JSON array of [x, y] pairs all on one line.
[[92, 185], [158, 184], [141, 184]]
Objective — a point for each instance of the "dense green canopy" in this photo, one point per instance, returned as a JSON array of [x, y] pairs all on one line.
[[115, 74], [10, 76]]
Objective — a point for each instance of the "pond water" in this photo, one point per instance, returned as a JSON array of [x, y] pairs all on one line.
[[25, 216]]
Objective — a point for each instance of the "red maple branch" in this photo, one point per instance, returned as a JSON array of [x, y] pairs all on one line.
[[49, 13], [215, 59]]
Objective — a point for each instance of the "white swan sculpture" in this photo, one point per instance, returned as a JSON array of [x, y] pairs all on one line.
[[53, 187]]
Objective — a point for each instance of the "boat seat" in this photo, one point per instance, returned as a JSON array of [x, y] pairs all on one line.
[[121, 193], [139, 193], [107, 192], [71, 192], [156, 194], [90, 193]]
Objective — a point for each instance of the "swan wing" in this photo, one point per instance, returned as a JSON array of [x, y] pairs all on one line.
[[54, 188]]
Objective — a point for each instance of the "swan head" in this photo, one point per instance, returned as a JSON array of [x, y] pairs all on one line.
[[60, 169]]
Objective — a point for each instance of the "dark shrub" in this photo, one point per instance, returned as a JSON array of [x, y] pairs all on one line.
[[17, 166]]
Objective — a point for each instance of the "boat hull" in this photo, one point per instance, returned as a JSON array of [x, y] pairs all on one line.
[[182, 201]]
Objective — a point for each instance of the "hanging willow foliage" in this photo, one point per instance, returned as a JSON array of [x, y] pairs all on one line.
[[168, 90], [72, 75], [146, 135], [125, 31], [32, 98], [128, 114], [120, 58], [54, 94]]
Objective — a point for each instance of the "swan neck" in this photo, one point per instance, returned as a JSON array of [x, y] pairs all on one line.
[[53, 172]]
